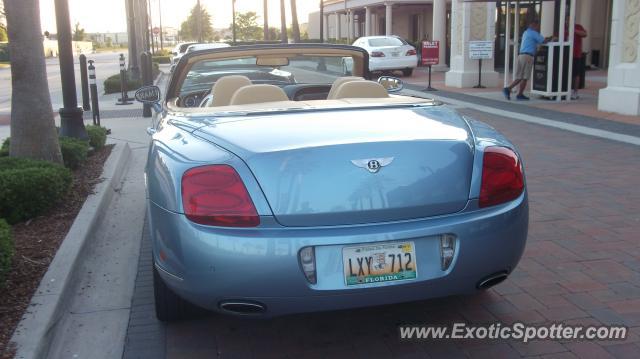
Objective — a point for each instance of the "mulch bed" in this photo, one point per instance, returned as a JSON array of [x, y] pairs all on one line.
[[36, 243]]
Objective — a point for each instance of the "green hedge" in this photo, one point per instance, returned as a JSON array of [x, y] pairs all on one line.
[[74, 151], [112, 83], [161, 59], [162, 52], [6, 250], [30, 187], [97, 136], [4, 149]]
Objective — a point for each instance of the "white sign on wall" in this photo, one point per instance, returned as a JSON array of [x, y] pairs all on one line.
[[480, 50]]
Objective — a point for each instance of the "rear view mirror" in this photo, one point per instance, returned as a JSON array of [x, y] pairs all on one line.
[[392, 84], [148, 95], [272, 61]]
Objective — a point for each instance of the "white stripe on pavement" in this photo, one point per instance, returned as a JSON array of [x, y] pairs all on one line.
[[589, 131]]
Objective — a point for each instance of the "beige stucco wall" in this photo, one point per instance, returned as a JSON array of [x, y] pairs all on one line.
[[79, 47]]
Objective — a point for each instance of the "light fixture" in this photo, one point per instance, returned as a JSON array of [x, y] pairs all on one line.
[[447, 250], [308, 263]]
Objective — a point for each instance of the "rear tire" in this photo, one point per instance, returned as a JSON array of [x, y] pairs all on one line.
[[169, 306], [407, 72]]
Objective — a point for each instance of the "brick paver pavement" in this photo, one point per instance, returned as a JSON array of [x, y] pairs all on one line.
[[581, 266]]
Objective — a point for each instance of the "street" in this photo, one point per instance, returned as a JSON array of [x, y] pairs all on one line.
[[106, 65]]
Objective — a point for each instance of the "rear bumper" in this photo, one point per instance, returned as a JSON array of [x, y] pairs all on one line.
[[208, 266], [392, 63]]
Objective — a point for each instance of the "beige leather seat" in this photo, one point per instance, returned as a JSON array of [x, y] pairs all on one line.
[[225, 87], [361, 89], [339, 81], [258, 94]]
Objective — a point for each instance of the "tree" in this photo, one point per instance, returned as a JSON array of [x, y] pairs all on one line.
[[189, 28], [33, 132], [79, 33], [247, 28], [3, 28], [265, 9], [283, 23], [294, 21]]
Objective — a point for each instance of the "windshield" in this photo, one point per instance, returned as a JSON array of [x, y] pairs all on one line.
[[386, 41], [280, 71]]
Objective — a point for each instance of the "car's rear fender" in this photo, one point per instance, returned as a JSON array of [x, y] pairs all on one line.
[[173, 151]]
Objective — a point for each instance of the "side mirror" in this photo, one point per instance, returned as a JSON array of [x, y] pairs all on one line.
[[392, 84], [148, 95]]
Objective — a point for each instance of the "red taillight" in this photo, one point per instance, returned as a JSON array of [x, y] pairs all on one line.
[[377, 54], [411, 52], [215, 196], [502, 178]]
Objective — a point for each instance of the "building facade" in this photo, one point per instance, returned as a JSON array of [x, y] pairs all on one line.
[[613, 41]]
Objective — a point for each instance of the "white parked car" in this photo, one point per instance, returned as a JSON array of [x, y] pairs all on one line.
[[178, 51], [209, 46], [188, 47], [386, 53]]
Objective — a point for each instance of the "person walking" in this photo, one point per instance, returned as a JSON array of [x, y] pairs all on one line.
[[531, 39]]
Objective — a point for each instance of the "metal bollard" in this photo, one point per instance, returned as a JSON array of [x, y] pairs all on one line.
[[124, 97], [94, 94], [145, 61], [85, 83]]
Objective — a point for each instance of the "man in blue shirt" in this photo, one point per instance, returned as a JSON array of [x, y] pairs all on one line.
[[531, 39]]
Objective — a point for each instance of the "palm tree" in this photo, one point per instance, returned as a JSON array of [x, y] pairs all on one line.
[[33, 132], [265, 7], [283, 23], [295, 28]]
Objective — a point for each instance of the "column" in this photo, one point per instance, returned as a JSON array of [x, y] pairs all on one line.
[[470, 22], [440, 32], [367, 21], [622, 94], [350, 25], [388, 19], [584, 19], [338, 27], [325, 24], [546, 20]]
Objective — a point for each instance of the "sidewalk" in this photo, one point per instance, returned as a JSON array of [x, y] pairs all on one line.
[[585, 106]]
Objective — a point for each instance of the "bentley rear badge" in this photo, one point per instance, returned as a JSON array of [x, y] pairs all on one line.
[[373, 165]]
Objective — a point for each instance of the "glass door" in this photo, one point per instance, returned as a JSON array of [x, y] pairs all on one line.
[[528, 10]]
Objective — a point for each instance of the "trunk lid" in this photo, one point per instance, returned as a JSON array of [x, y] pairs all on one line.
[[315, 167]]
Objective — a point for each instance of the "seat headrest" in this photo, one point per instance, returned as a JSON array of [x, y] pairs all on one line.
[[339, 81], [225, 87], [258, 94], [361, 89]]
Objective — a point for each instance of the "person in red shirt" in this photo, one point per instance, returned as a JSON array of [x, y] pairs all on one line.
[[578, 64]]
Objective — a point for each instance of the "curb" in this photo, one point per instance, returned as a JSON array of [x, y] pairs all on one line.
[[33, 335]]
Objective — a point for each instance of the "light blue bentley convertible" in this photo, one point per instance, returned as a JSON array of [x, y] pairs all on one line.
[[275, 186]]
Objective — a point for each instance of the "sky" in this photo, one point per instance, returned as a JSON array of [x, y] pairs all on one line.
[[109, 15]]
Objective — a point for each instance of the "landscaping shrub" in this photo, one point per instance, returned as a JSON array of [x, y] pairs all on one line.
[[97, 136], [161, 59], [112, 84], [6, 250], [163, 52], [30, 187], [4, 149], [74, 151]]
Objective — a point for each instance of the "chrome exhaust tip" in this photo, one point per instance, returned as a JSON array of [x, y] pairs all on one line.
[[492, 280], [243, 308]]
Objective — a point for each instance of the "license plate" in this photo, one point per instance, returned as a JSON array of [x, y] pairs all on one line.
[[376, 263], [395, 54]]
